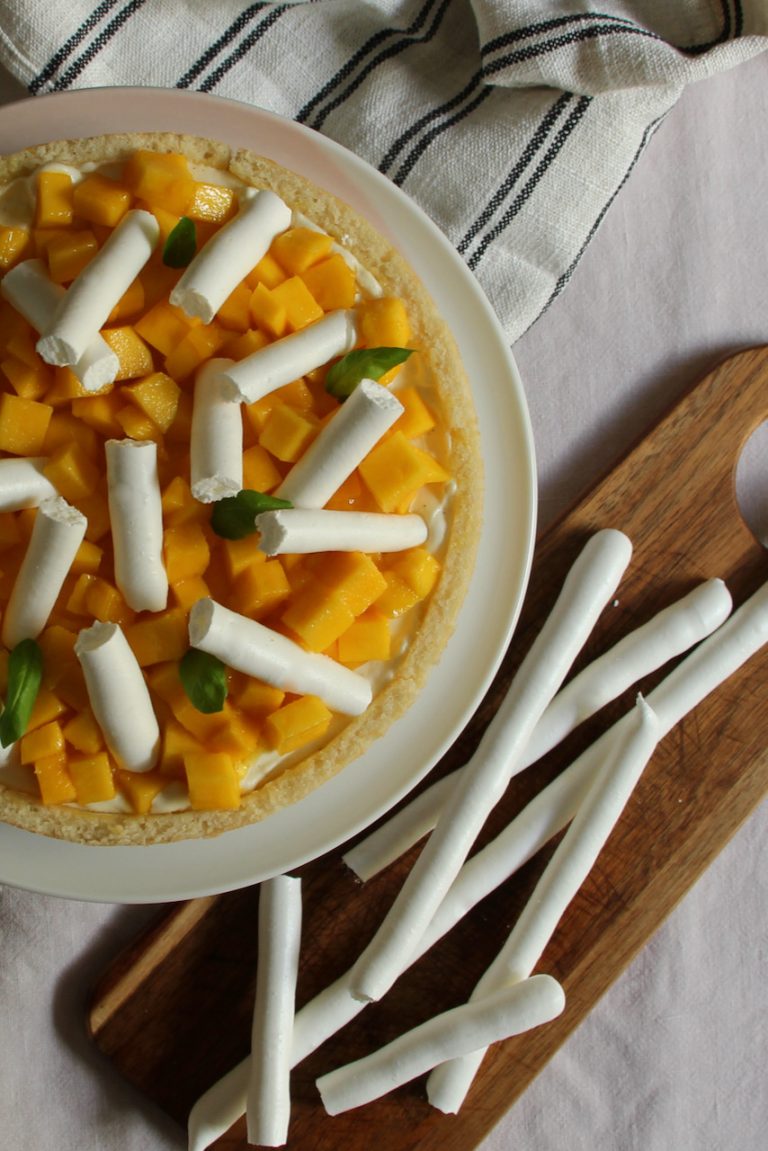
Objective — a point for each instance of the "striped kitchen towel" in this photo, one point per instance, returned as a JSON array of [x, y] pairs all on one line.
[[512, 123]]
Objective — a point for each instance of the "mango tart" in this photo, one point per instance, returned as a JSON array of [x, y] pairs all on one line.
[[380, 617]]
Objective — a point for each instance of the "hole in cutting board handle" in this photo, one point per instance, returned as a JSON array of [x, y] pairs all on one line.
[[752, 483]]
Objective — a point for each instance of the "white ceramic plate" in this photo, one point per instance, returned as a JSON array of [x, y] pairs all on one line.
[[389, 769]]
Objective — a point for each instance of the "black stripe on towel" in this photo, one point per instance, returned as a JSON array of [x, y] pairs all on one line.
[[68, 48], [103, 38], [244, 47], [212, 51]]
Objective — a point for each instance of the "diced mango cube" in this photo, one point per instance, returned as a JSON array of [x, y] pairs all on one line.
[[297, 723], [176, 743], [101, 200], [317, 616], [53, 205], [398, 597], [267, 312], [140, 788], [301, 307], [134, 355], [54, 780], [65, 388], [288, 433], [58, 647], [64, 428], [240, 738], [92, 777], [72, 471], [235, 312], [352, 576], [332, 283], [161, 637], [187, 592], [418, 568], [259, 589], [215, 203], [41, 742], [186, 552], [29, 381], [130, 303], [77, 602], [260, 472], [157, 395], [259, 698], [88, 558], [382, 322], [197, 346], [23, 425], [299, 248], [15, 243], [99, 412], [395, 470], [267, 272], [96, 510], [105, 603], [67, 255], [417, 419], [83, 733], [238, 346], [240, 555], [163, 326], [180, 506], [47, 707], [136, 425], [213, 781], [162, 179], [368, 638]]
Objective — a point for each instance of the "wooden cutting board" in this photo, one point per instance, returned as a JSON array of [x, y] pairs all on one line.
[[173, 1011]]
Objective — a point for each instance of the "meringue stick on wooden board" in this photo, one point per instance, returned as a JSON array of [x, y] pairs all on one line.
[[136, 519], [229, 255], [268, 1107], [509, 1011], [574, 857], [119, 696], [587, 588], [666, 635], [35, 297], [56, 535], [23, 483], [216, 437], [92, 295]]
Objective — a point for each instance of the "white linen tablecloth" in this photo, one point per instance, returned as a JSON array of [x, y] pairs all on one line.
[[673, 1058]]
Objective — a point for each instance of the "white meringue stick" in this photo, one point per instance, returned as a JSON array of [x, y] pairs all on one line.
[[303, 530], [36, 298], [510, 1011], [343, 443], [56, 535], [230, 254], [136, 519], [671, 632], [574, 857], [269, 1102], [216, 438], [256, 650], [92, 295], [23, 483], [294, 355], [588, 586], [119, 696]]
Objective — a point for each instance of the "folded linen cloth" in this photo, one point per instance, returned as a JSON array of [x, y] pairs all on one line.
[[511, 123]]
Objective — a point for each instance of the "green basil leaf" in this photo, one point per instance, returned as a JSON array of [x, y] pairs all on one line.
[[363, 364], [25, 671], [233, 516], [204, 679], [181, 244]]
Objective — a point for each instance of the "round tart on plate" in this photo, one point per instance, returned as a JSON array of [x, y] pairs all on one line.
[[240, 487]]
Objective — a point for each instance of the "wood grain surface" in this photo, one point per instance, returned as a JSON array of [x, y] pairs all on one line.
[[173, 1012]]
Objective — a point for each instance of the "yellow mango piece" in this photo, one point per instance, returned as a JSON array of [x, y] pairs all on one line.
[[65, 388], [47, 707], [92, 777], [15, 243], [180, 506], [136, 425], [88, 558], [181, 429], [54, 780], [83, 733], [267, 272], [65, 428], [67, 255], [197, 346], [267, 312], [353, 578], [157, 395], [418, 568], [259, 589], [395, 470], [162, 179], [57, 645], [298, 248], [235, 312], [368, 638], [258, 698], [417, 419], [301, 307], [382, 322], [187, 552], [96, 511], [100, 200], [130, 303], [288, 433], [41, 742], [53, 204], [21, 342], [238, 346], [187, 592], [352, 496], [134, 355], [332, 283], [100, 412], [240, 555], [260, 472], [30, 382], [23, 425], [240, 739], [72, 471], [163, 327], [10, 536], [176, 743], [213, 781], [140, 788], [105, 603], [161, 637], [397, 598], [77, 602], [215, 203], [317, 616], [297, 723]]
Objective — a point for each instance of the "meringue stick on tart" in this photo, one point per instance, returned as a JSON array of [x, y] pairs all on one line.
[[192, 338]]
